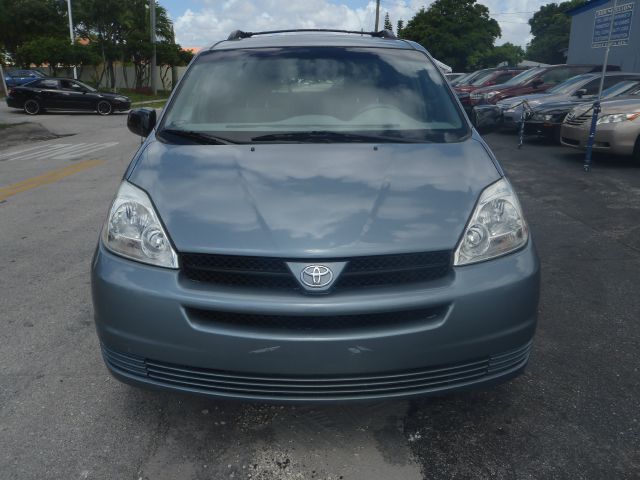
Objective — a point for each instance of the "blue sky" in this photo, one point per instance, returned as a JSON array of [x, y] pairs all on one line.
[[201, 22]]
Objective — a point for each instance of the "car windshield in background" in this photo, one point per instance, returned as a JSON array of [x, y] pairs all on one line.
[[461, 80], [481, 79], [314, 94], [628, 87], [523, 77], [568, 86]]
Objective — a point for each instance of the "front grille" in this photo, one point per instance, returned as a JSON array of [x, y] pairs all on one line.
[[576, 119], [324, 323], [273, 273], [263, 272], [299, 387]]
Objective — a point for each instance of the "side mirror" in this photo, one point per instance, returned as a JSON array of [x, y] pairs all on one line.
[[141, 121], [486, 118], [581, 92]]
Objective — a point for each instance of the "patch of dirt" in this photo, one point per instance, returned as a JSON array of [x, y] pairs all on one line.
[[20, 133]]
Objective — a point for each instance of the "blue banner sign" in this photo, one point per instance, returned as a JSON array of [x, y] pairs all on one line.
[[621, 26]]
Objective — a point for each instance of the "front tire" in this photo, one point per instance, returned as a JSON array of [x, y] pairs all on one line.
[[32, 107], [104, 108]]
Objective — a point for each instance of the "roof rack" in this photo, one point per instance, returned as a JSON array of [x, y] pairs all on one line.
[[239, 34]]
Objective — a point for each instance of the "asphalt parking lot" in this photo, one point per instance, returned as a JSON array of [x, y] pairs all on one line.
[[574, 414]]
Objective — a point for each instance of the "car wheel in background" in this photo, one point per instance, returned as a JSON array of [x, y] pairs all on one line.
[[31, 107], [104, 108]]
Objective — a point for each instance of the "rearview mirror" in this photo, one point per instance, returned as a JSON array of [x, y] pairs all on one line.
[[141, 121], [581, 92], [536, 82]]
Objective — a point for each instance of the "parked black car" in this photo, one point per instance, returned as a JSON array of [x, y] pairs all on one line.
[[64, 94]]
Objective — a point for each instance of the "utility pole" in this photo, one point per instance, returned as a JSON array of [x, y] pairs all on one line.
[[377, 15], [174, 69], [75, 71], [4, 85], [152, 73]]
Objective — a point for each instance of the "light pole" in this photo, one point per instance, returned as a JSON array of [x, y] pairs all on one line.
[[377, 15], [75, 72], [154, 83]]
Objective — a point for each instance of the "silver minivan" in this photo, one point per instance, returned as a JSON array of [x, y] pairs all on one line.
[[313, 218]]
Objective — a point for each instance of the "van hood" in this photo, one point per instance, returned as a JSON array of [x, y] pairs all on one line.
[[314, 200]]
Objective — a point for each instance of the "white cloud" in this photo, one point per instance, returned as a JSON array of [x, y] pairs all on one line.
[[216, 19]]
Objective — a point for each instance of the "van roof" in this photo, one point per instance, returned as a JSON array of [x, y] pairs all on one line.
[[315, 38]]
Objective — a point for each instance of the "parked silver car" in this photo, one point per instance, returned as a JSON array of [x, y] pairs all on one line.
[[312, 218], [617, 130]]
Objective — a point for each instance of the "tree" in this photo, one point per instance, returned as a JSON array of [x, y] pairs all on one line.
[[399, 27], [137, 36], [121, 31], [453, 31], [102, 21], [508, 53], [56, 52], [23, 20], [550, 27], [171, 55], [387, 22]]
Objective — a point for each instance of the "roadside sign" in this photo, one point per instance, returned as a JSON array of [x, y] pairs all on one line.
[[621, 29]]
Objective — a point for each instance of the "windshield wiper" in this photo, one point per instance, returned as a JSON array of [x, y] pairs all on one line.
[[199, 137], [329, 136]]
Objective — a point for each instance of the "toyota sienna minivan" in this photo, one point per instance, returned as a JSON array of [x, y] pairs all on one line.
[[313, 218]]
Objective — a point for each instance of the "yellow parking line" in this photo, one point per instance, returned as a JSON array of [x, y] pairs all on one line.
[[50, 177]]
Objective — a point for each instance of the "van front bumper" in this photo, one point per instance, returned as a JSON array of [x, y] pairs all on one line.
[[479, 332]]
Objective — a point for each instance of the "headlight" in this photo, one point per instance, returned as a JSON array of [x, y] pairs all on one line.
[[618, 117], [544, 117], [496, 227], [121, 99], [462, 94], [133, 229], [491, 94]]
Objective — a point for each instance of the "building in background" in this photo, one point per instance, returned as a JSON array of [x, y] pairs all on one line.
[[586, 43]]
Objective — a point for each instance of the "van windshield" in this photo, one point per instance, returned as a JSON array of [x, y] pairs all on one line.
[[314, 94]]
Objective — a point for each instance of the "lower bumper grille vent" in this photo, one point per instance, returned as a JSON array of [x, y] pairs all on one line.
[[269, 386]]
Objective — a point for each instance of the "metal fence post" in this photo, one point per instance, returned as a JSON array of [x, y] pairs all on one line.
[[592, 136]]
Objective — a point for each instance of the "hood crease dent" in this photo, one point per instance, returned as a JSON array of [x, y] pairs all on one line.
[[314, 200]]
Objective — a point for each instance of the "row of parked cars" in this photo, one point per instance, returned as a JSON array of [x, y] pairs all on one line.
[[34, 93], [557, 102]]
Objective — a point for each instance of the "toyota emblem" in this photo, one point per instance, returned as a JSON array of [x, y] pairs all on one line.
[[316, 276]]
